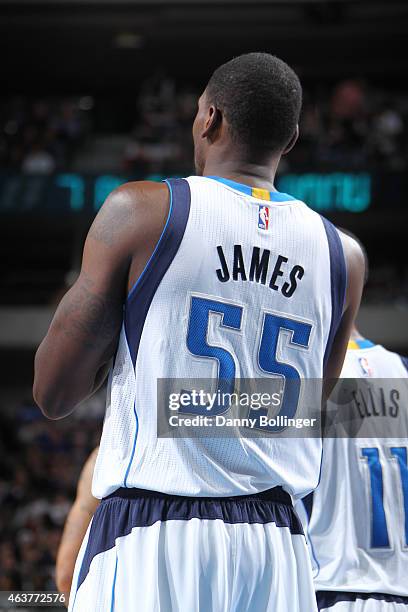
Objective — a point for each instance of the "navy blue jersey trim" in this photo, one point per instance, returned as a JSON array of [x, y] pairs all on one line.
[[145, 269], [142, 293], [404, 362], [338, 281], [327, 599], [308, 505], [125, 509]]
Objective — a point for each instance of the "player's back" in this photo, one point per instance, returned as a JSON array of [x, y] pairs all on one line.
[[358, 515], [244, 283]]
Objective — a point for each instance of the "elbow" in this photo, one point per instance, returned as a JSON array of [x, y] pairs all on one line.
[[63, 585], [59, 388], [63, 580], [47, 407], [53, 405], [50, 394], [42, 392]]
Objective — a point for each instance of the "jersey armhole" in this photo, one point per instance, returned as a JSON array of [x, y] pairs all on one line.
[[338, 283], [404, 362], [142, 293]]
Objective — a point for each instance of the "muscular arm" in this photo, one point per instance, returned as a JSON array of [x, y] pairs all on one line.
[[75, 527], [355, 281], [74, 357]]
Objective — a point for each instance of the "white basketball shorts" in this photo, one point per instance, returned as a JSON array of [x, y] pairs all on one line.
[[151, 552]]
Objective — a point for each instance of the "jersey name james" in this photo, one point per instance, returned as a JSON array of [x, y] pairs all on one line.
[[282, 277]]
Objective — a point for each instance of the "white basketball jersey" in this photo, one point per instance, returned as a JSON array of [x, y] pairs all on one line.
[[358, 515], [244, 283]]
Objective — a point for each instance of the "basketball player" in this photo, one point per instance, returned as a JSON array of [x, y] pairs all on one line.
[[76, 524], [358, 515], [186, 279]]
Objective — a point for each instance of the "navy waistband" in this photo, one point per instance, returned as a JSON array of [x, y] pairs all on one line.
[[327, 599], [276, 494], [144, 508]]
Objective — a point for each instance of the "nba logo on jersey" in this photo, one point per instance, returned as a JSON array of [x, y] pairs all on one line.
[[263, 217], [365, 366]]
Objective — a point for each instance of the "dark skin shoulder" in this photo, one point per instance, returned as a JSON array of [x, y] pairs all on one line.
[[74, 357]]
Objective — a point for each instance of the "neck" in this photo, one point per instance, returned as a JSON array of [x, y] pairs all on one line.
[[261, 174]]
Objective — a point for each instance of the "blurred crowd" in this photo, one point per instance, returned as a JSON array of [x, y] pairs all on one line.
[[353, 126], [350, 125], [40, 464], [160, 141], [41, 136]]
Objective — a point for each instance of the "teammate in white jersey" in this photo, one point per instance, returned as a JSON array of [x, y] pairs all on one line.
[[358, 515], [218, 277]]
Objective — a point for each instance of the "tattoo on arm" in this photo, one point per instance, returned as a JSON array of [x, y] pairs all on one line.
[[89, 317]]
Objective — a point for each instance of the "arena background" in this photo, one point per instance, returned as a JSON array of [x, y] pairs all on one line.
[[96, 93]]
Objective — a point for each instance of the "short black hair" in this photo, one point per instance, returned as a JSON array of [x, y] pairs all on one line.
[[261, 98]]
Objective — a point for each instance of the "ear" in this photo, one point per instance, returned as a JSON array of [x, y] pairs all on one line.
[[212, 123], [292, 141]]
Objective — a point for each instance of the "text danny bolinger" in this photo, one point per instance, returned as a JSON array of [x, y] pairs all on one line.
[[222, 421]]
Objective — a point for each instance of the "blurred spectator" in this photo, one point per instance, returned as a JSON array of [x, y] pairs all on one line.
[[387, 137], [348, 100], [38, 160]]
